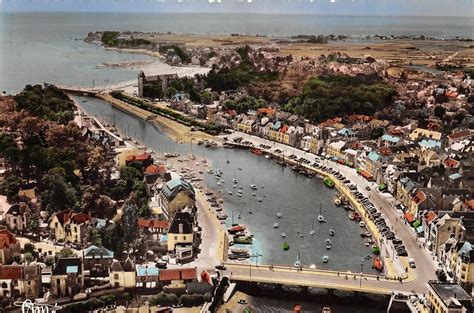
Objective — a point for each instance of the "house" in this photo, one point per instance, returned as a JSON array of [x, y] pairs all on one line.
[[419, 133], [122, 274], [70, 226], [181, 231], [155, 227], [97, 260], [335, 149], [9, 246], [177, 195], [67, 277], [183, 275], [124, 153], [459, 135], [144, 159], [389, 140], [461, 263], [245, 125], [446, 297], [442, 229], [20, 281], [147, 276], [17, 216]]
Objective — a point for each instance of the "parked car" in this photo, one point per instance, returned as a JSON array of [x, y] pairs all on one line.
[[367, 188]]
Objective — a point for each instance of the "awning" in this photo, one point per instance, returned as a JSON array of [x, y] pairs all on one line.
[[359, 170], [420, 229], [366, 175], [350, 164], [382, 186], [409, 217], [416, 224], [340, 161]]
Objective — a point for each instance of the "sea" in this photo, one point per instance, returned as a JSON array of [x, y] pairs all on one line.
[[39, 47]]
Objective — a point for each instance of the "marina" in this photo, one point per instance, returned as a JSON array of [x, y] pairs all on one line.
[[296, 208]]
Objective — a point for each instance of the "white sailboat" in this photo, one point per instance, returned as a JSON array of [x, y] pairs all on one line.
[[283, 235], [332, 232], [275, 225], [328, 244], [298, 261], [320, 216], [312, 232]]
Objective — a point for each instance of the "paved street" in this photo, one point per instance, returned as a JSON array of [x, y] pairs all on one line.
[[425, 269]]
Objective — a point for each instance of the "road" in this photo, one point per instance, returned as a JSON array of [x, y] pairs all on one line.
[[426, 267]]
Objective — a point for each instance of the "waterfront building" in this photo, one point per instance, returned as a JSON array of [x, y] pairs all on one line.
[[335, 148], [177, 195], [70, 226], [124, 153], [445, 297], [181, 232], [122, 274], [442, 229], [20, 281], [419, 133], [147, 276], [9, 246], [67, 277], [148, 83], [17, 216]]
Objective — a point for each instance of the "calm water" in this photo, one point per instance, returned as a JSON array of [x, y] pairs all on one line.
[[48, 47], [297, 197]]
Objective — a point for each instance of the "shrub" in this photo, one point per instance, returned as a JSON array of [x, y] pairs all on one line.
[[192, 300]]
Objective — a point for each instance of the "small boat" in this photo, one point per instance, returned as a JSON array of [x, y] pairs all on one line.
[[286, 246], [279, 215], [259, 199], [239, 168], [298, 261], [238, 194], [275, 225], [367, 243], [230, 192], [253, 186], [362, 224], [312, 232], [326, 310], [283, 235], [377, 264], [328, 182], [328, 244], [254, 194], [222, 181], [332, 232], [268, 157], [244, 240], [337, 201], [235, 181], [236, 229], [325, 259], [320, 216], [239, 216]]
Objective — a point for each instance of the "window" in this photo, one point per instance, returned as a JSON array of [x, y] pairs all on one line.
[[184, 237], [116, 276], [4, 285], [175, 237]]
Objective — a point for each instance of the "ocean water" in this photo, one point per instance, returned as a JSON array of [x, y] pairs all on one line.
[[48, 47]]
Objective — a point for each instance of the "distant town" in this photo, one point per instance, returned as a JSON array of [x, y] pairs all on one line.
[[94, 220]]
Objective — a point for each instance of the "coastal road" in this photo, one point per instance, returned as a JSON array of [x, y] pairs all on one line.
[[425, 269]]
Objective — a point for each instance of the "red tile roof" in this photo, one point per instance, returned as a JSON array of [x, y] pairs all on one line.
[[80, 218], [385, 151], [155, 169], [178, 274], [459, 135], [419, 197], [10, 272], [284, 129], [470, 204], [430, 216], [142, 157], [266, 111], [143, 223], [64, 216], [6, 239], [451, 163]]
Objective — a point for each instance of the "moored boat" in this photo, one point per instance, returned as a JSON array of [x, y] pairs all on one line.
[[337, 201], [332, 232], [325, 259], [286, 246], [236, 229], [328, 182], [377, 264], [243, 240]]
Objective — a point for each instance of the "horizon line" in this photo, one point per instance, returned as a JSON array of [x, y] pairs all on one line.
[[236, 13]]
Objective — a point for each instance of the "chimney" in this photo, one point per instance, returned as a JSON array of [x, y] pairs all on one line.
[[180, 226]]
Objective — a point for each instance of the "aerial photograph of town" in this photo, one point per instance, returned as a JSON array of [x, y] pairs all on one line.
[[237, 156]]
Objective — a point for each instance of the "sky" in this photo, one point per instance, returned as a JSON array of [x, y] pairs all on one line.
[[336, 7]]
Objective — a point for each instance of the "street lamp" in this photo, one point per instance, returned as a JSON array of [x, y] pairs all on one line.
[[361, 271], [250, 263]]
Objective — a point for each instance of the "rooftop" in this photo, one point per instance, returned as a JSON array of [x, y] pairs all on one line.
[[447, 291]]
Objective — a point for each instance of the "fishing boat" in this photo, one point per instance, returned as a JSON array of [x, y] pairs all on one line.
[[236, 228], [298, 261], [328, 243], [312, 232], [283, 235], [239, 251], [328, 182], [325, 259], [320, 216], [286, 246], [331, 232], [243, 240], [337, 201]]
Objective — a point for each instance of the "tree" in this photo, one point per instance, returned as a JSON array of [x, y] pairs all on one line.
[[439, 112], [49, 261], [29, 248], [10, 187], [130, 216], [170, 92], [58, 194], [28, 257], [376, 133], [33, 223], [66, 253], [206, 97], [94, 237]]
